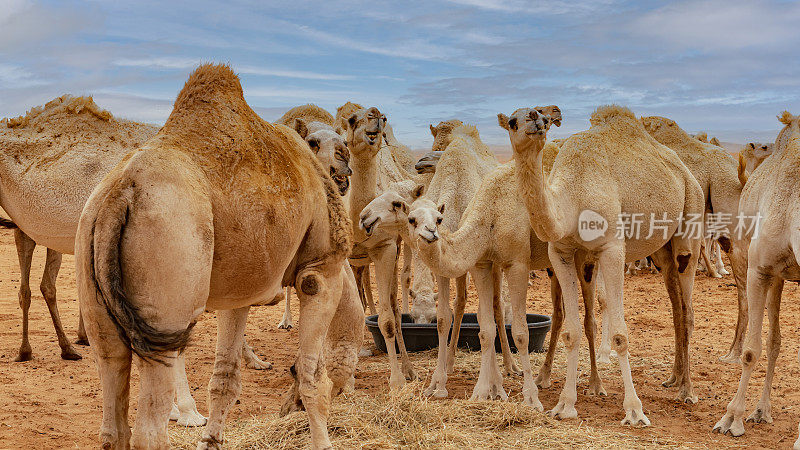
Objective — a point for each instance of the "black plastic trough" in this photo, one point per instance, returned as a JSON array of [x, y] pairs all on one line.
[[423, 336]]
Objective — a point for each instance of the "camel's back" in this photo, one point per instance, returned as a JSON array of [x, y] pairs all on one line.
[[54, 156]]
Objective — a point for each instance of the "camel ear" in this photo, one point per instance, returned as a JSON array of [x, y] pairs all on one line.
[[301, 128], [502, 120], [433, 130], [441, 208], [553, 112], [418, 191], [412, 294]]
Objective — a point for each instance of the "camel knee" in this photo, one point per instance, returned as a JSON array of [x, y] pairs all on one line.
[[48, 291], [569, 340], [24, 297], [588, 270], [310, 284], [386, 324], [749, 358], [683, 261], [619, 342], [486, 338]]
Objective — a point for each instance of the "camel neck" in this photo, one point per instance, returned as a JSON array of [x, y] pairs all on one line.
[[363, 186], [538, 195]]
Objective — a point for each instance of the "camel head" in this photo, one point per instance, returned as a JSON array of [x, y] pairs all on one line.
[[424, 218], [390, 209], [527, 127], [365, 131], [427, 164], [442, 133], [755, 153], [329, 148]]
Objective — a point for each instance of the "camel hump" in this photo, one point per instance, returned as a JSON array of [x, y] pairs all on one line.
[[606, 113], [309, 113], [60, 106]]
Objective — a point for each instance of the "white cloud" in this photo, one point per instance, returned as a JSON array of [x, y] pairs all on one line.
[[170, 62]]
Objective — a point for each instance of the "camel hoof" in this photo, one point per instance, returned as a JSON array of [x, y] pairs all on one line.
[[82, 341], [543, 382], [513, 370], [489, 391], [730, 358], [192, 419], [760, 415], [729, 425], [671, 382], [24, 355], [285, 326], [563, 411], [409, 373], [71, 355], [635, 417], [396, 382], [436, 393], [257, 364], [687, 397], [595, 389]]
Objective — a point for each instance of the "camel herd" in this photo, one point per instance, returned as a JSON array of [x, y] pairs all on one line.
[[221, 210]]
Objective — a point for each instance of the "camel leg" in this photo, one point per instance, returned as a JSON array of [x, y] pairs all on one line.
[[345, 336], [286, 321], [156, 391], [405, 276], [82, 339], [384, 258], [684, 258], [226, 379], [564, 268], [738, 257], [717, 257], [605, 353], [438, 386], [368, 291], [588, 280], [500, 320], [251, 360], [758, 287], [763, 411], [405, 360], [48, 288], [711, 268], [184, 410], [517, 278], [611, 263], [543, 379], [490, 379], [458, 317], [25, 247]]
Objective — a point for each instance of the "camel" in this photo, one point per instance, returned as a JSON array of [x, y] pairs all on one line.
[[716, 171], [218, 211], [72, 143], [769, 214], [315, 126], [489, 238], [753, 155], [580, 210]]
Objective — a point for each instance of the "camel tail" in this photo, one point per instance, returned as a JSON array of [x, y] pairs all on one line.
[[7, 223], [741, 170], [145, 340]]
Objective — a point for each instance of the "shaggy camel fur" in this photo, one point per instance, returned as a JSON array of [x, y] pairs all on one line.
[[218, 210], [716, 171], [621, 156], [771, 195], [315, 126], [73, 144]]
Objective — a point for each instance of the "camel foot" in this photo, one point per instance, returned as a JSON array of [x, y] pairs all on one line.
[[635, 417], [285, 324], [731, 358], [543, 380], [437, 387], [364, 352], [513, 369], [209, 443], [762, 414], [724, 272], [563, 410], [530, 396], [687, 395], [25, 354], [82, 341], [408, 372], [672, 381], [396, 381], [729, 425], [187, 419], [595, 388], [489, 390], [70, 354], [256, 363]]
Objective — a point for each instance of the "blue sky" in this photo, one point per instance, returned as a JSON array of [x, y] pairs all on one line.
[[728, 67]]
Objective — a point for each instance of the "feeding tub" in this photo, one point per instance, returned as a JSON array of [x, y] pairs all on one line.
[[423, 336]]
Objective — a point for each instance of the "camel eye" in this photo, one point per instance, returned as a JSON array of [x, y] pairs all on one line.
[[439, 221], [313, 143], [412, 221], [513, 123], [396, 205]]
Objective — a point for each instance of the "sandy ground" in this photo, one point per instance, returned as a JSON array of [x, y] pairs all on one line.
[[48, 403]]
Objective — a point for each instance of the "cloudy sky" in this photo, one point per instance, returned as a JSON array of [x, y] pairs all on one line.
[[724, 66]]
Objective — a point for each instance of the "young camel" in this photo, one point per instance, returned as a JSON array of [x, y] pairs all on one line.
[[753, 155], [621, 155], [72, 143], [218, 210], [716, 171], [771, 210], [315, 126]]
